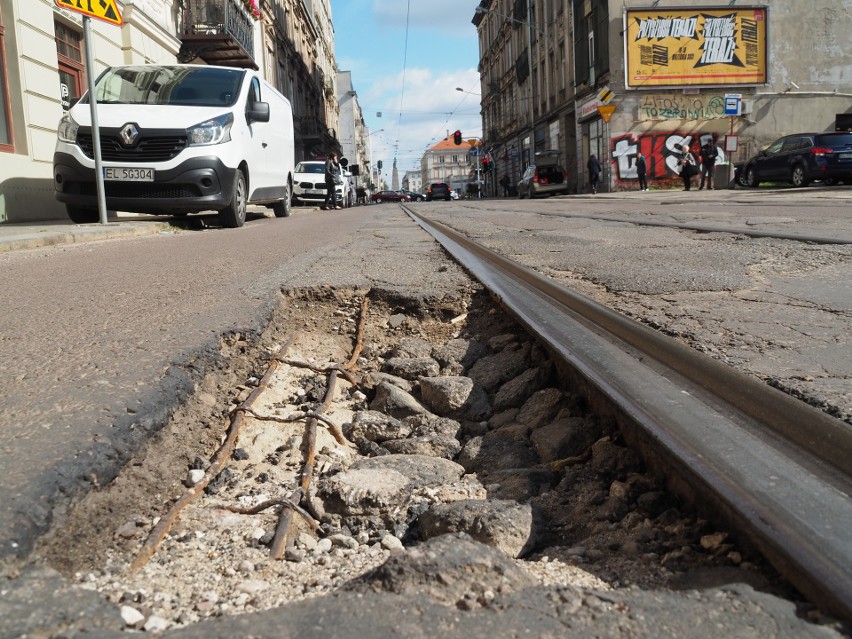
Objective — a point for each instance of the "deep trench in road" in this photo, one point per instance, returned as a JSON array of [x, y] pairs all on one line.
[[465, 424]]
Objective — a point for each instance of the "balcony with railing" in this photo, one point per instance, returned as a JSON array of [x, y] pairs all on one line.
[[219, 32]]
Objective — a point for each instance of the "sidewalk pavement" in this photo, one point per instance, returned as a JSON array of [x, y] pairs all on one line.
[[14, 237]]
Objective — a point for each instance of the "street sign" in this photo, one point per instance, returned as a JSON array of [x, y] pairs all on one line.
[[733, 104], [605, 95], [106, 10], [606, 111], [731, 142], [473, 152]]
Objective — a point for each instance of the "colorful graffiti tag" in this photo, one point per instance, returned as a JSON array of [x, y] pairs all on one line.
[[661, 151], [670, 107]]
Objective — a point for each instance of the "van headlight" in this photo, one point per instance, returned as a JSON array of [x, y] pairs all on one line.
[[67, 129], [213, 131]]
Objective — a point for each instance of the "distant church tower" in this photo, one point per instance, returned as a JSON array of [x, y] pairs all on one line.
[[395, 177]]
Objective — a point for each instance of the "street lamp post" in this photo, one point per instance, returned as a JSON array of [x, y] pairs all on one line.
[[370, 144]]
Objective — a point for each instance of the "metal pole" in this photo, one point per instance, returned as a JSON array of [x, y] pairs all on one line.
[[93, 108], [533, 91]]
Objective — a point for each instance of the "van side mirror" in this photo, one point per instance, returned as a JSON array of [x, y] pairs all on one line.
[[258, 112]]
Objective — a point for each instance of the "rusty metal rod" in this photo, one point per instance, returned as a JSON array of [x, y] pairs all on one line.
[[309, 441], [220, 458]]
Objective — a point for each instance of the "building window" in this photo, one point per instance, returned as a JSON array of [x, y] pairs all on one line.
[[69, 50], [5, 114]]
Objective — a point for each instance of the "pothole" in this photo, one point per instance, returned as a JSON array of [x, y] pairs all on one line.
[[457, 424]]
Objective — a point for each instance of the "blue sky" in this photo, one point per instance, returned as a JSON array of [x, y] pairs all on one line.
[[413, 87]]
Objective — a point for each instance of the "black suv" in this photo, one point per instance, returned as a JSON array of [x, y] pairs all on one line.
[[801, 159], [438, 191]]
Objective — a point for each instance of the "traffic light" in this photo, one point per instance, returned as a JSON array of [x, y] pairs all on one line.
[[379, 165], [486, 165], [457, 137]]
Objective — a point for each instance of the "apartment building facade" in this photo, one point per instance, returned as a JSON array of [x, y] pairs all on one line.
[[448, 162], [354, 133], [42, 69], [648, 76], [526, 83]]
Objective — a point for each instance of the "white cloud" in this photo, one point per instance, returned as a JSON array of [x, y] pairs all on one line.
[[431, 108]]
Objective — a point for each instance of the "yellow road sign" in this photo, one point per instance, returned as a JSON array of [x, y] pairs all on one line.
[[606, 111], [106, 10]]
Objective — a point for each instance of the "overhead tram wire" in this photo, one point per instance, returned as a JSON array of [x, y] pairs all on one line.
[[404, 66]]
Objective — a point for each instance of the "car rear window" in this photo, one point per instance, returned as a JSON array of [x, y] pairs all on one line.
[[834, 139]]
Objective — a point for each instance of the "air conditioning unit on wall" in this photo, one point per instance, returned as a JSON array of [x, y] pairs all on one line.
[[747, 107]]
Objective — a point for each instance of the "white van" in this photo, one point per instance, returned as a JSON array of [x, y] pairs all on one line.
[[178, 139]]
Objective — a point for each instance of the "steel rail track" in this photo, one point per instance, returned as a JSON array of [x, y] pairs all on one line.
[[774, 469]]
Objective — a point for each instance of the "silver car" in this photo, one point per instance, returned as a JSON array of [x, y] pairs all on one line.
[[543, 179]]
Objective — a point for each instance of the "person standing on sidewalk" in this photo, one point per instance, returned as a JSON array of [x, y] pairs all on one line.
[[709, 153], [333, 177], [688, 167], [642, 171], [594, 172]]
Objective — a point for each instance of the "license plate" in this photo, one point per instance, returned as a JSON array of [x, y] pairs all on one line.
[[845, 156], [314, 192], [128, 174]]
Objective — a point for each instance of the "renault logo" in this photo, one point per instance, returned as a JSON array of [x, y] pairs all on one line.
[[128, 134]]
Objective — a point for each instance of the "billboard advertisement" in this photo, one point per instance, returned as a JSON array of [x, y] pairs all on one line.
[[695, 46]]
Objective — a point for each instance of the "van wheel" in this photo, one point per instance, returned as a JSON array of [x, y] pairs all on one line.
[[80, 215], [798, 177], [234, 215], [282, 207]]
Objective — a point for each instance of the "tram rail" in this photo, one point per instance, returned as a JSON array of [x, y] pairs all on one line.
[[773, 469]]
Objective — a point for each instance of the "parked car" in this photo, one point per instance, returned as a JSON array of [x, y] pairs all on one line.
[[309, 184], [178, 139], [438, 191], [389, 196], [545, 177], [800, 159], [415, 197]]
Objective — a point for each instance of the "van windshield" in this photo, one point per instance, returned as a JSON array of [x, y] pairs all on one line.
[[175, 85]]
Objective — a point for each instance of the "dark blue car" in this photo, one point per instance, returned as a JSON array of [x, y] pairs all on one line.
[[801, 159]]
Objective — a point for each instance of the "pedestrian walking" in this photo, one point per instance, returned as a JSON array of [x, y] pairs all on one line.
[[641, 171], [333, 177], [688, 167], [504, 182], [594, 172], [361, 195], [709, 154]]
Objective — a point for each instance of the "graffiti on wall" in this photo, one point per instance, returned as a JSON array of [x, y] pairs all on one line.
[[685, 107], [661, 151]]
